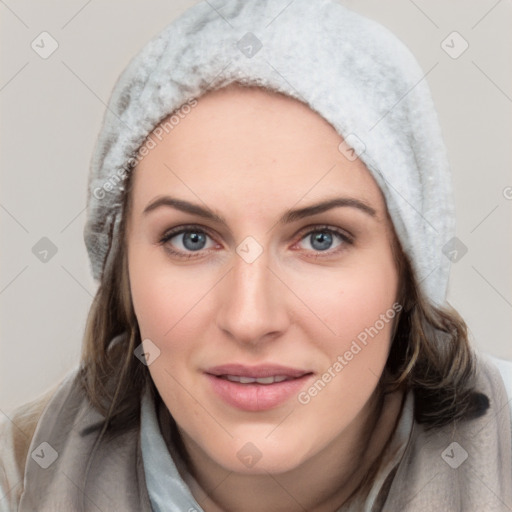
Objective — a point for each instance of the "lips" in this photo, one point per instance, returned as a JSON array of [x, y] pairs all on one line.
[[257, 380], [256, 388], [260, 371]]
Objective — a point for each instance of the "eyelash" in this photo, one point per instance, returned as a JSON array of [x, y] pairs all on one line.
[[345, 238]]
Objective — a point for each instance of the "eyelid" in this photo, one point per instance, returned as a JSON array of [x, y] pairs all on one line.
[[178, 230], [326, 227]]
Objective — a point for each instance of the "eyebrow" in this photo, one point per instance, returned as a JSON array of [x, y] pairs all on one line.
[[288, 217]]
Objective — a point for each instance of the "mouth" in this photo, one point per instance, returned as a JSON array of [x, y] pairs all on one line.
[[257, 380], [261, 371], [256, 388]]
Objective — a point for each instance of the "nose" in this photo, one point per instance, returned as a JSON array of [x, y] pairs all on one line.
[[253, 305]]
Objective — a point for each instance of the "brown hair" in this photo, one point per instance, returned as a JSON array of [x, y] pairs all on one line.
[[430, 352]]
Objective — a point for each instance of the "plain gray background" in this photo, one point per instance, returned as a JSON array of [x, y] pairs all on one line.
[[51, 110]]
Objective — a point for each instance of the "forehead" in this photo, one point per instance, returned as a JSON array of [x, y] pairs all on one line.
[[253, 145]]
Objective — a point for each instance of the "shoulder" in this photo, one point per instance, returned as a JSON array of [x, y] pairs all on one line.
[[17, 429], [504, 367]]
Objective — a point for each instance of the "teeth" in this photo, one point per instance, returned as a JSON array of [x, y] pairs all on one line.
[[246, 380], [265, 380], [259, 380]]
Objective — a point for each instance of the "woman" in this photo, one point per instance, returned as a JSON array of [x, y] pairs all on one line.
[[268, 205]]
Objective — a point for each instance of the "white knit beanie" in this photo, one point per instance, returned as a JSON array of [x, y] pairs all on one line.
[[350, 70]]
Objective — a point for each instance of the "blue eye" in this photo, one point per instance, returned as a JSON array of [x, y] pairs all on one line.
[[193, 240], [320, 240]]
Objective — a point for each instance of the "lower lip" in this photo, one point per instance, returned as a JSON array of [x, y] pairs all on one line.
[[256, 397]]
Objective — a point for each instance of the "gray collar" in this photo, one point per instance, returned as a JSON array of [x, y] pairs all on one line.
[[167, 490]]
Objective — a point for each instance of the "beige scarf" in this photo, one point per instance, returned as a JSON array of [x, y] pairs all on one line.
[[464, 468]]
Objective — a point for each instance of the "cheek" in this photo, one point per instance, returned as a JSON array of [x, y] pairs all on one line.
[[169, 304], [163, 312], [354, 300], [360, 311], [160, 298], [359, 307], [152, 303]]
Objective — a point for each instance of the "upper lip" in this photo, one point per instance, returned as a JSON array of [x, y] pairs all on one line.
[[263, 370]]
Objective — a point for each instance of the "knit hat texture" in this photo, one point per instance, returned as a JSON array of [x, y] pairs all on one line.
[[350, 70]]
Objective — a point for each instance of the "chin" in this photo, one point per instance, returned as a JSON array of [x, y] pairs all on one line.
[[254, 458]]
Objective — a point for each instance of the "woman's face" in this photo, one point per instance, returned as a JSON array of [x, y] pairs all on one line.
[[244, 271]]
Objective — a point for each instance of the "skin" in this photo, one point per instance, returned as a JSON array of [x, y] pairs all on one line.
[[251, 155]]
